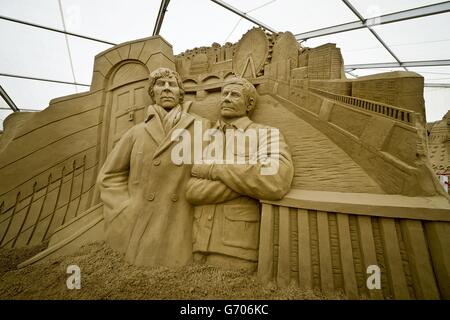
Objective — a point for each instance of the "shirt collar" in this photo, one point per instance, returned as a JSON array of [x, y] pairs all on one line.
[[241, 123]]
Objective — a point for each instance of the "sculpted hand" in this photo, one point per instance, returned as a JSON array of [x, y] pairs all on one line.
[[201, 171]]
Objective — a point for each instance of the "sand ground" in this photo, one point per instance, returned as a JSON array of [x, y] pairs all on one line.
[[105, 275]]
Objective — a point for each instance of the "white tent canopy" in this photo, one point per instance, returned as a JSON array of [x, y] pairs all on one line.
[[35, 48]]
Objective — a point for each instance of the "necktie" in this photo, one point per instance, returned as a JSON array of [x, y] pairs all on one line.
[[222, 125]]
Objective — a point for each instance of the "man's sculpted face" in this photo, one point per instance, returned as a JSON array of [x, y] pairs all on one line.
[[166, 92], [233, 103]]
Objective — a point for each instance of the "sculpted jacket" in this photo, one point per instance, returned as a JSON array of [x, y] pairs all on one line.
[[146, 213], [227, 212]]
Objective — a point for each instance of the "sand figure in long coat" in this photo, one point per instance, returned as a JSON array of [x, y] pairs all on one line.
[[146, 213]]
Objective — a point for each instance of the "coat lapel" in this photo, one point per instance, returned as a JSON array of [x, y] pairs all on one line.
[[154, 126]]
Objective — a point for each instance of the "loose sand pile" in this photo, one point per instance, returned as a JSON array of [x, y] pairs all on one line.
[[105, 275]]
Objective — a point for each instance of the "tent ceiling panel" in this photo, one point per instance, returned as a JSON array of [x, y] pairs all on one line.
[[184, 29], [45, 13], [297, 16], [31, 94], [370, 9], [439, 74], [424, 38], [33, 52], [83, 53], [358, 46], [110, 19]]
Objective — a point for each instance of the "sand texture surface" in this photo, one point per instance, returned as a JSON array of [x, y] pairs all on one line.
[[105, 275]]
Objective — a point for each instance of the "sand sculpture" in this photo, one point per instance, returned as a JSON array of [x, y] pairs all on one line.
[[143, 190], [439, 147], [363, 191], [225, 195]]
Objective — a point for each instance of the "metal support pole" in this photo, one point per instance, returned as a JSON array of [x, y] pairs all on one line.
[[8, 100], [160, 17]]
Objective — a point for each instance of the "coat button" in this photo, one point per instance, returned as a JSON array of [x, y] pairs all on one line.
[[151, 196], [156, 162], [210, 217], [174, 197]]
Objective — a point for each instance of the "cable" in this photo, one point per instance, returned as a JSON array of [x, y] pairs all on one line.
[[67, 44], [374, 33], [42, 79], [262, 6], [54, 30], [240, 19], [400, 45]]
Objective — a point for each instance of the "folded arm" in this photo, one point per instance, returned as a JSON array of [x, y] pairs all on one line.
[[204, 191], [268, 179]]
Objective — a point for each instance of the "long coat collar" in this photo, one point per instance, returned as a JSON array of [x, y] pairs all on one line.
[[154, 126], [153, 123]]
